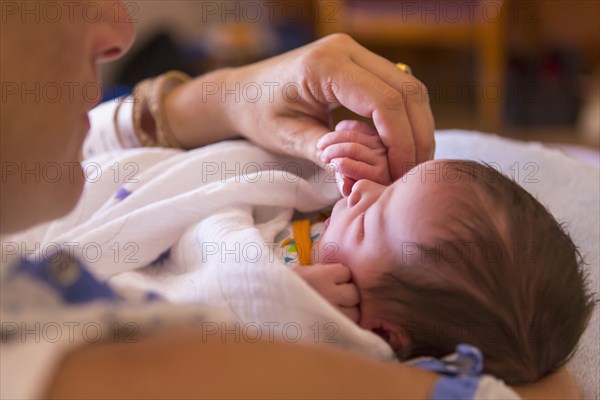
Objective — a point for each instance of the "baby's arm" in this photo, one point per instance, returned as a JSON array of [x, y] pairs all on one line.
[[332, 281], [356, 152]]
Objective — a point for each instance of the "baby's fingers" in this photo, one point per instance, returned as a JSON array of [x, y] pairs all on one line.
[[351, 312], [352, 136], [347, 295], [337, 272], [358, 170], [355, 151]]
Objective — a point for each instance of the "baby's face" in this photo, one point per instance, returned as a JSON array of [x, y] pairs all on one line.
[[376, 225]]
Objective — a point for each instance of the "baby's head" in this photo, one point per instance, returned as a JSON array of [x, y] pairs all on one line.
[[455, 252]]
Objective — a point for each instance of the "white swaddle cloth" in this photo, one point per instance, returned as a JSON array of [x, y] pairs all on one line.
[[200, 226]]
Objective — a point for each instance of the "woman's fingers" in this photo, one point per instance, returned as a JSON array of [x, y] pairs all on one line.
[[355, 125], [367, 95], [364, 93], [298, 137], [415, 100], [422, 119]]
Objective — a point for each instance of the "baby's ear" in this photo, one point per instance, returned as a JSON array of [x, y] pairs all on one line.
[[396, 336]]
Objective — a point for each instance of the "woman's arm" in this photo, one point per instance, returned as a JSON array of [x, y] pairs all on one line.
[[199, 110], [283, 103], [560, 385], [186, 365]]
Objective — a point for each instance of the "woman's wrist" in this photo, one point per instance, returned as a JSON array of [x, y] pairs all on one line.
[[199, 111], [150, 124]]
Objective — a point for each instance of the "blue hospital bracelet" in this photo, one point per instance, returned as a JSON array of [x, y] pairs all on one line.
[[461, 388]]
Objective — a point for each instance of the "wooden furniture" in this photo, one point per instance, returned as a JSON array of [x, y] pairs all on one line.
[[477, 24]]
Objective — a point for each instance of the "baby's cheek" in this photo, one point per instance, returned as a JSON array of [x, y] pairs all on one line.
[[327, 251]]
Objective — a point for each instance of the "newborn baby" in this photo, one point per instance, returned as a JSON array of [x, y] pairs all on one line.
[[453, 252]]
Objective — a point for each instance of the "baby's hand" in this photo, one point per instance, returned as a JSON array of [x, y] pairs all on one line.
[[332, 281], [356, 152]]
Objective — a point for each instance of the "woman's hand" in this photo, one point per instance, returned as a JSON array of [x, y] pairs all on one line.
[[335, 70], [356, 152], [333, 282], [283, 103]]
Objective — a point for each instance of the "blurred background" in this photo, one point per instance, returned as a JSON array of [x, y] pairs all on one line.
[[528, 69]]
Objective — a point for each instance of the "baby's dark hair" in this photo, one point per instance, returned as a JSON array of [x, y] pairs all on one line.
[[501, 274]]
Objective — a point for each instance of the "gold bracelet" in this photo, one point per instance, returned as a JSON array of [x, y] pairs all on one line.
[[404, 68], [149, 95]]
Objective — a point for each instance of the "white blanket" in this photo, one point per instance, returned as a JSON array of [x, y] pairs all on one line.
[[218, 210]]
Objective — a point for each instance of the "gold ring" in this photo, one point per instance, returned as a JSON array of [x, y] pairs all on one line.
[[404, 68]]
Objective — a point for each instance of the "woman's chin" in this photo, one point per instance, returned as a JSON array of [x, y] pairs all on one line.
[[66, 193], [76, 188]]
